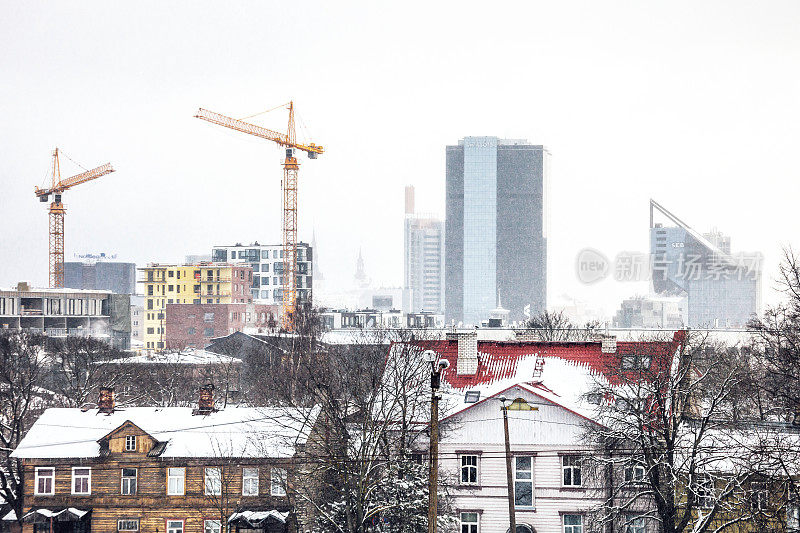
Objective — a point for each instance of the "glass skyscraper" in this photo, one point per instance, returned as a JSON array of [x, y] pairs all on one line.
[[495, 241], [722, 290]]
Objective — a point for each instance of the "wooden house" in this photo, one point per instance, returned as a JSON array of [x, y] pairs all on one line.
[[162, 470]]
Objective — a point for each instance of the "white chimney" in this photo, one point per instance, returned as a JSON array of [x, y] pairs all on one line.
[[467, 363], [608, 344]]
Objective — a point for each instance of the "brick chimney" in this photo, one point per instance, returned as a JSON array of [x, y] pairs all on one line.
[[205, 404], [467, 362], [105, 403]]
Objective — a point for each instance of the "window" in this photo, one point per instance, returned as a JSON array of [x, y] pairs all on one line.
[[212, 526], [634, 524], [759, 496], [190, 331], [208, 332], [573, 523], [213, 485], [174, 526], [277, 482], [523, 481], [128, 481], [176, 481], [571, 471], [249, 481], [81, 480], [469, 469], [472, 396], [469, 522], [44, 482], [130, 443], [704, 493], [208, 317], [128, 524], [634, 474]]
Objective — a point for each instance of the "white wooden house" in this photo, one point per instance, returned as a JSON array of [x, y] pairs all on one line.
[[552, 491]]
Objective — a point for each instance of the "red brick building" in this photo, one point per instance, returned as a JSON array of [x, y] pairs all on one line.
[[194, 325]]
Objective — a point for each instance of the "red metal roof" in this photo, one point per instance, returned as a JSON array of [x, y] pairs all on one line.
[[499, 360]]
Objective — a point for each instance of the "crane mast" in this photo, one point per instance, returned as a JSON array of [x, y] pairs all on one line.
[[291, 169], [57, 212]]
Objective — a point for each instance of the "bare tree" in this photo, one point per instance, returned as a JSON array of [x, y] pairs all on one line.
[[671, 453], [80, 366], [360, 460], [777, 348], [22, 399], [557, 327]]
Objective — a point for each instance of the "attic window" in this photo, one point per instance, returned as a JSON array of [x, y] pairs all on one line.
[[130, 443], [472, 396]]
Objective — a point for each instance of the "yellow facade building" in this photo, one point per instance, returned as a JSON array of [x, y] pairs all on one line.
[[202, 283]]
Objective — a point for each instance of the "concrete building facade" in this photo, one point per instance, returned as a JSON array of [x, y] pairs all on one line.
[[67, 312], [209, 283], [652, 312], [496, 240], [266, 261], [423, 259], [119, 278]]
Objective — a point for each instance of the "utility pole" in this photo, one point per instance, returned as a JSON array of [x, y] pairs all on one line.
[[517, 405], [512, 517], [433, 475]]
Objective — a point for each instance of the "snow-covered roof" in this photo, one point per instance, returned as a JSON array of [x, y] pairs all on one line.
[[231, 432], [565, 373], [256, 518], [187, 357]]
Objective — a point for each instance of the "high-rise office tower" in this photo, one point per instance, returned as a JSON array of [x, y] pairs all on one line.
[[423, 258], [722, 290], [495, 234]]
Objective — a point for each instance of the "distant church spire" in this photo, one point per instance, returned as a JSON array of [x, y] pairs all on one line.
[[361, 273]]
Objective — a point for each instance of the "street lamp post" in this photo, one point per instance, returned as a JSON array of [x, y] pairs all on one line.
[[433, 476], [517, 405]]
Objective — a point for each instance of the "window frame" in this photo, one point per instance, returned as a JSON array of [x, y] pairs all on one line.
[[130, 439], [475, 467], [572, 469], [88, 481], [633, 478], [571, 527], [282, 481], [758, 496], [529, 481], [476, 523], [133, 520], [182, 478], [705, 492], [206, 479], [123, 478], [639, 524], [37, 476], [250, 478], [167, 522], [206, 522]]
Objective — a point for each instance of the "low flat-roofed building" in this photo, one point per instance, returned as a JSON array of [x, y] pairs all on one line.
[[67, 312]]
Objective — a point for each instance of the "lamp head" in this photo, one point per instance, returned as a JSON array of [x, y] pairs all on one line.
[[444, 363], [430, 356]]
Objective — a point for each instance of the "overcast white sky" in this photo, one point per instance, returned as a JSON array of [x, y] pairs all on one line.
[[693, 104]]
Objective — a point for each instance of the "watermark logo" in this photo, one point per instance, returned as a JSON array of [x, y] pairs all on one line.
[[591, 266]]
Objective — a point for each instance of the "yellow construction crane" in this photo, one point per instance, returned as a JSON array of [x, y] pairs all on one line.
[[57, 211], [289, 184]]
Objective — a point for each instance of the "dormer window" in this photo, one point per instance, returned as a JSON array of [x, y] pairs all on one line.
[[472, 396], [130, 443]]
